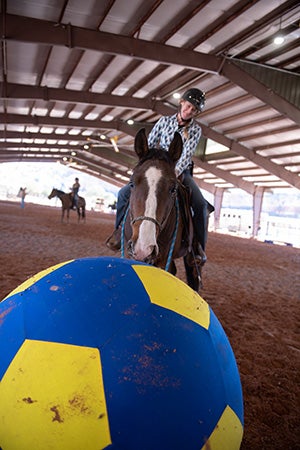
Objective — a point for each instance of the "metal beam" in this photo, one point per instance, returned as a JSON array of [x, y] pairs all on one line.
[[23, 119], [227, 176], [25, 29], [243, 79], [22, 91], [160, 108], [109, 171], [50, 33], [63, 150]]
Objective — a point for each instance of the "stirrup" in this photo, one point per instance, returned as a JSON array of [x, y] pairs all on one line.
[[200, 253]]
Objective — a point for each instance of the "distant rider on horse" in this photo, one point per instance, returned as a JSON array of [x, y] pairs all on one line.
[[75, 189]]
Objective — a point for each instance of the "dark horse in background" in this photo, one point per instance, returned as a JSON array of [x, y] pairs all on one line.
[[67, 203], [158, 225]]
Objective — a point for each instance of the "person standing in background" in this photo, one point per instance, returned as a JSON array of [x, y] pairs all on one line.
[[22, 194]]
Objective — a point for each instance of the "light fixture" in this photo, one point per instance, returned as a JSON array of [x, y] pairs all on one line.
[[176, 95], [130, 122], [278, 40]]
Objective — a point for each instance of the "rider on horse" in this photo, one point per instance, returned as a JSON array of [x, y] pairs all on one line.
[[190, 106], [74, 193]]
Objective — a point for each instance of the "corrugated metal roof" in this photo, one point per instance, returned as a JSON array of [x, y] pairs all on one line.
[[72, 71]]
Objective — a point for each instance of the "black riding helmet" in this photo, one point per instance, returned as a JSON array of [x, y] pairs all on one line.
[[195, 97]]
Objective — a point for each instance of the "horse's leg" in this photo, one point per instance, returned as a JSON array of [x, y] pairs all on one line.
[[78, 214], [172, 268], [193, 273]]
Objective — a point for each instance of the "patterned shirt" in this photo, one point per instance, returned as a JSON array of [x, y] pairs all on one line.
[[162, 134]]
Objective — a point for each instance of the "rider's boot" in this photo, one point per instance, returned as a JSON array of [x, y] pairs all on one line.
[[201, 254], [197, 256]]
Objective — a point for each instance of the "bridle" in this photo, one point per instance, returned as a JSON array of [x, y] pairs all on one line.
[[158, 224], [161, 224], [150, 219]]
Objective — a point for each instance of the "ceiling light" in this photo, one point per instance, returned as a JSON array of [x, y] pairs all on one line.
[[279, 40], [130, 122], [176, 95]]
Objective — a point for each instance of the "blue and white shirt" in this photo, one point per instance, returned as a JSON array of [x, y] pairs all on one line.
[[162, 134]]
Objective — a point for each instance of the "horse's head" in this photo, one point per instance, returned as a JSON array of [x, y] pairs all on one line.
[[152, 199], [52, 194]]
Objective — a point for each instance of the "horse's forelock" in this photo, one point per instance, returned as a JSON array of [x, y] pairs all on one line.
[[156, 153]]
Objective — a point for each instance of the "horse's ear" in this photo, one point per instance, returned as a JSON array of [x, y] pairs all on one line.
[[176, 147], [141, 143]]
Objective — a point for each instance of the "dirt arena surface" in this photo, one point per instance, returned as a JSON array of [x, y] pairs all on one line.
[[253, 288]]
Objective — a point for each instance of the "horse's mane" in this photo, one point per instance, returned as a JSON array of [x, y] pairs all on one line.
[[59, 191], [156, 153]]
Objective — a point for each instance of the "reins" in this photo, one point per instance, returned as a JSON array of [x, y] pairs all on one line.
[[123, 232], [174, 236]]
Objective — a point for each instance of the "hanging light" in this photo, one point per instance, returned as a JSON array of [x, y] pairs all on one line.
[[279, 39]]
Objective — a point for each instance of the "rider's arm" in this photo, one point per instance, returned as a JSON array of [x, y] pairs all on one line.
[[156, 133], [189, 148]]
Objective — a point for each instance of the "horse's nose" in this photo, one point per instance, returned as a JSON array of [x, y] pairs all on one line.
[[146, 254]]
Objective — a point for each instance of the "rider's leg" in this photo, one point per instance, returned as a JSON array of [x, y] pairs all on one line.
[[199, 209], [123, 199], [76, 200], [114, 241]]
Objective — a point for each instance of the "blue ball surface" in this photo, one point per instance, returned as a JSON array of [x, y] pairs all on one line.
[[108, 353]]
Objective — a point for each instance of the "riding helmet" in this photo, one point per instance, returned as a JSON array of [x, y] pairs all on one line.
[[195, 97]]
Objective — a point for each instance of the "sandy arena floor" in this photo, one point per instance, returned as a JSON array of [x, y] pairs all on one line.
[[253, 288]]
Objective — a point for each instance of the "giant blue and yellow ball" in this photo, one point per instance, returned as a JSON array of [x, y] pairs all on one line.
[[108, 353]]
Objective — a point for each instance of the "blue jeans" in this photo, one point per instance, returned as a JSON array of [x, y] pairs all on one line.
[[199, 208], [198, 203], [122, 203]]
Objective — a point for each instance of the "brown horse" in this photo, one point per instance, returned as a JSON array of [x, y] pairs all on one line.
[[155, 227], [67, 203]]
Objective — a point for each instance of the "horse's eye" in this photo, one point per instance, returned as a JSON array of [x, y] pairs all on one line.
[[131, 184]]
